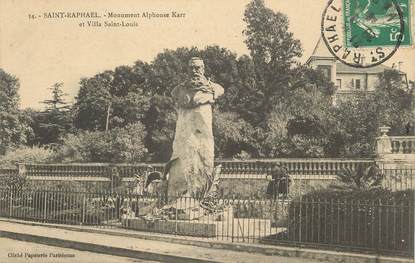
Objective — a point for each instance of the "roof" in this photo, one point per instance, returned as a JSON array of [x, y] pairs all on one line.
[[321, 51]]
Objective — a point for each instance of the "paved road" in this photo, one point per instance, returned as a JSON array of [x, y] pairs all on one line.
[[9, 246], [151, 249]]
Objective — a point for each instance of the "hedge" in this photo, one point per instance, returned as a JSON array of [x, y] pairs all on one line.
[[378, 220]]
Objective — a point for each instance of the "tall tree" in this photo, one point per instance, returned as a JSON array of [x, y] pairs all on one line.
[[111, 99], [55, 120], [242, 95], [92, 102], [169, 69], [13, 128], [273, 48], [57, 102]]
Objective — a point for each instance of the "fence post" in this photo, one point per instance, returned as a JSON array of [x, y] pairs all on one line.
[[379, 243], [83, 209], [300, 218], [11, 202], [44, 207], [233, 201]]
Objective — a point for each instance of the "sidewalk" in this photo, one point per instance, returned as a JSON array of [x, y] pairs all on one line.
[[159, 248], [131, 247], [16, 251]]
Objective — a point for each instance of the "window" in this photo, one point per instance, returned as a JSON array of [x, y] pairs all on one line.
[[357, 84], [326, 69], [338, 83]]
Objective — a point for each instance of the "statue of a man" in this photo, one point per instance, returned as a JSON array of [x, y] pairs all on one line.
[[193, 146]]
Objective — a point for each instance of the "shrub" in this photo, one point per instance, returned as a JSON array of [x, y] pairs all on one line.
[[21, 155], [25, 154], [233, 135], [60, 205], [376, 219], [274, 210], [117, 145], [243, 188], [13, 181], [252, 209], [363, 177]]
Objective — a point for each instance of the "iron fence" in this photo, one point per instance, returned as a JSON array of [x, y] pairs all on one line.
[[381, 225], [398, 179]]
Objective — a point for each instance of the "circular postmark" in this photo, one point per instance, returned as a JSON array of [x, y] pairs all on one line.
[[362, 33]]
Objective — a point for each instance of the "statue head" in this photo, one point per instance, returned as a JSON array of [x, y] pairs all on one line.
[[197, 67]]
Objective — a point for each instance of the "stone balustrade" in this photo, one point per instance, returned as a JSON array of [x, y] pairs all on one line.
[[302, 171], [252, 169], [85, 172], [387, 145], [403, 144], [294, 166]]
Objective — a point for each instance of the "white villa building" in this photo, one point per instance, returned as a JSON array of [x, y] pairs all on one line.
[[348, 80]]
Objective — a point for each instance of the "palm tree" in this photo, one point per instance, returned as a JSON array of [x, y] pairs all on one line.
[[361, 178]]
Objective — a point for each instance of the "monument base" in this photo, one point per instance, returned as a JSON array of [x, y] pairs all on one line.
[[177, 227]]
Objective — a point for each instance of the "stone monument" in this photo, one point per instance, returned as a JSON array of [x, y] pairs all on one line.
[[193, 174], [192, 177]]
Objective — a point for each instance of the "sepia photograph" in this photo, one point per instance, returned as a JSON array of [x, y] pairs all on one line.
[[207, 131]]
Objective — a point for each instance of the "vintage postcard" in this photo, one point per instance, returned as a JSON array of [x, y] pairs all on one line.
[[207, 131]]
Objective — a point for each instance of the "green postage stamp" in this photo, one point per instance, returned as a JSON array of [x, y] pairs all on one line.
[[369, 23], [366, 33]]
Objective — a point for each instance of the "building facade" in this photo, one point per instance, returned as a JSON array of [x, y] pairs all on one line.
[[348, 80]]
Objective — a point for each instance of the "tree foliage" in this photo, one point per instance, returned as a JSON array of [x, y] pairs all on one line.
[[55, 121], [233, 135], [273, 106], [160, 121], [117, 145], [13, 127], [394, 102], [116, 97], [141, 93], [354, 128], [273, 48], [25, 154], [14, 182], [356, 120]]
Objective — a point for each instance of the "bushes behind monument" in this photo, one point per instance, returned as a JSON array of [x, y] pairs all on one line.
[[116, 145], [25, 154]]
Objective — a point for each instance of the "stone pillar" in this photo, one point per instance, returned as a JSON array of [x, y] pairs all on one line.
[[22, 169], [386, 158], [114, 176], [383, 143]]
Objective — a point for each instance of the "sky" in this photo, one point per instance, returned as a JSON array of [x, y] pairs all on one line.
[[43, 51]]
